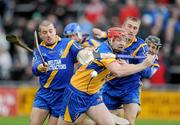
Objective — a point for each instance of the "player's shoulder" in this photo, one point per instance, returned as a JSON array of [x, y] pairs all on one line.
[[140, 40], [104, 47], [66, 40]]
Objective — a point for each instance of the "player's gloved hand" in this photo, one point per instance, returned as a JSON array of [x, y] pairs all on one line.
[[42, 68], [149, 60], [85, 56], [99, 33]]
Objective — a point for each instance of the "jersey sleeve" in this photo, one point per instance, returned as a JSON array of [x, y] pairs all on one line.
[[75, 48], [105, 49], [150, 71], [155, 66], [143, 51], [107, 61], [35, 62]]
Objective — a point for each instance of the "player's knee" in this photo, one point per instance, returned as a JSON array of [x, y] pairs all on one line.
[[131, 118]]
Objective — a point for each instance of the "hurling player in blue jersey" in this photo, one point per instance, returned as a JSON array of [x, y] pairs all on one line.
[[60, 56], [154, 44], [74, 31], [81, 95], [126, 90]]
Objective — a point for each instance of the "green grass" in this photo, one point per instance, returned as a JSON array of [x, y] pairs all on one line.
[[157, 122], [24, 120], [21, 120]]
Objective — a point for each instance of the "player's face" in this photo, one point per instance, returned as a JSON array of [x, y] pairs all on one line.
[[132, 27], [48, 34], [119, 43], [152, 48]]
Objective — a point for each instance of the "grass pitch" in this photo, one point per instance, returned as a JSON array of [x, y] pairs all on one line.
[[24, 120]]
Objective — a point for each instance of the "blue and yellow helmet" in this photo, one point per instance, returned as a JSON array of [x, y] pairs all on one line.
[[71, 29]]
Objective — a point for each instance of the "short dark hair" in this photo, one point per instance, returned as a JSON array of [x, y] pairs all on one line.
[[44, 23], [134, 19]]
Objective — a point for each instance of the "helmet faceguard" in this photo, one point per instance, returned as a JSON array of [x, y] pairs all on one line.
[[155, 40], [154, 44]]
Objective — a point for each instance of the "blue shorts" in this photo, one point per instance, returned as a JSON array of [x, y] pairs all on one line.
[[76, 102], [115, 101], [50, 100]]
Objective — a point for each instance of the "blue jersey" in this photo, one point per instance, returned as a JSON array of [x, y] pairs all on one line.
[[149, 72], [127, 89], [123, 84], [140, 48], [60, 58]]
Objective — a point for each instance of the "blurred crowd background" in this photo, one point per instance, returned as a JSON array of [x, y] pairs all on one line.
[[21, 17]]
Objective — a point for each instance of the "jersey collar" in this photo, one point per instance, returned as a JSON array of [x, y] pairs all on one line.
[[51, 46], [131, 42]]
